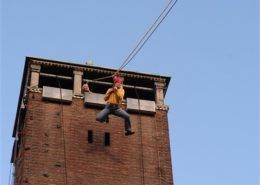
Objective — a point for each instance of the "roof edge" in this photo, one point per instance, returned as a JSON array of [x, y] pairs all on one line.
[[76, 65]]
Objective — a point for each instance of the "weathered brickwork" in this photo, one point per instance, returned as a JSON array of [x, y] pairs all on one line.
[[58, 153]]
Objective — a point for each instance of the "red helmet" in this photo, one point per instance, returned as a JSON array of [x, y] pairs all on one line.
[[118, 79]]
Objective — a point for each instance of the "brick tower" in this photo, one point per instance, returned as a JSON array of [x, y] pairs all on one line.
[[59, 142]]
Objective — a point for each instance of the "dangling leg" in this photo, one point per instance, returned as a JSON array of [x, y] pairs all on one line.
[[103, 115], [123, 114]]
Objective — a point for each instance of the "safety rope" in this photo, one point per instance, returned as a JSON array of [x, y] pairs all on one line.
[[18, 160], [10, 171], [15, 152], [63, 133], [21, 156], [157, 137], [141, 136]]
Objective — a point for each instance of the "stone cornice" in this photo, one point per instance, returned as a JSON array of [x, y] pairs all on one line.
[[98, 70], [159, 85], [35, 68], [76, 72]]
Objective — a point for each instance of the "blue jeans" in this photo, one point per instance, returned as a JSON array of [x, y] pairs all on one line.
[[114, 109]]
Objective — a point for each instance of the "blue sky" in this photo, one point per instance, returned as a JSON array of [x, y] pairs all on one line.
[[209, 48]]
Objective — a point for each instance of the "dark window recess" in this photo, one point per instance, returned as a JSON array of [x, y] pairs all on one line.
[[107, 138], [54, 82], [90, 136], [146, 95], [57, 70], [98, 88]]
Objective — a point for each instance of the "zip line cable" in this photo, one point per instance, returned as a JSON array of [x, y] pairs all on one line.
[[63, 132], [149, 33], [145, 38]]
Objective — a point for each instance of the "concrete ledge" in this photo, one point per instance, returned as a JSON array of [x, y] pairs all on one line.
[[94, 99], [146, 106], [57, 94]]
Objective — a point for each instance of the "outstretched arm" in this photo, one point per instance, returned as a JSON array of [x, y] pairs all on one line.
[[109, 91]]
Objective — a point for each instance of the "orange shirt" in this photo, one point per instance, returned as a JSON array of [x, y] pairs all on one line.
[[115, 97]]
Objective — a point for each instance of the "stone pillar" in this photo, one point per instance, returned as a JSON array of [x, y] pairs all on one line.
[[159, 93], [35, 74], [77, 82]]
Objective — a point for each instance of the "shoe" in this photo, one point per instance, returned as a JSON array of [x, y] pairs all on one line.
[[107, 120], [128, 133]]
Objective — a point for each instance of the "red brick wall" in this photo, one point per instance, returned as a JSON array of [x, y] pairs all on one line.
[[143, 158]]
